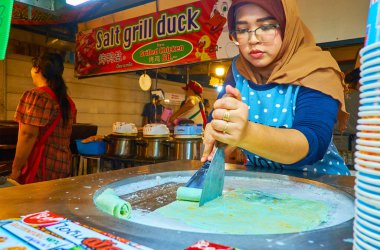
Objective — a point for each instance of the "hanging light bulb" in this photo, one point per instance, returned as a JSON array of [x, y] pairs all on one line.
[[219, 71]]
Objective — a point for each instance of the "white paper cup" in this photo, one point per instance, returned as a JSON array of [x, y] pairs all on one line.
[[368, 128], [366, 142], [366, 230], [370, 56], [369, 121], [357, 246], [367, 87], [365, 193], [369, 49], [368, 171], [372, 78], [370, 189], [367, 242], [370, 113], [360, 244], [370, 164], [371, 211], [367, 149], [367, 209], [372, 135], [370, 93], [367, 217], [368, 179], [369, 108], [370, 203], [361, 155], [370, 71], [370, 227], [370, 101]]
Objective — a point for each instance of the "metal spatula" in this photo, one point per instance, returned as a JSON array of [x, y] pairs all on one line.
[[210, 177], [197, 180], [214, 181]]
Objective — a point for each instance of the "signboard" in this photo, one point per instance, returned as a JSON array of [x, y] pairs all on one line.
[[180, 35], [46, 230]]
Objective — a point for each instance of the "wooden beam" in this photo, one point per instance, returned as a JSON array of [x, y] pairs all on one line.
[[346, 53]]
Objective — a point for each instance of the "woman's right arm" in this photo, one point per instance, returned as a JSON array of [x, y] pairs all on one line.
[[27, 137]]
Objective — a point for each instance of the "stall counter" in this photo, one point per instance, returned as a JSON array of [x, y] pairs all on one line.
[[73, 199]]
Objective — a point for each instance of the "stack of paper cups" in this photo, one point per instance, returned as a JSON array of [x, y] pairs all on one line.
[[367, 155]]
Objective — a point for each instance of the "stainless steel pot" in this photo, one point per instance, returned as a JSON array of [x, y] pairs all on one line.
[[152, 148], [121, 146], [185, 149]]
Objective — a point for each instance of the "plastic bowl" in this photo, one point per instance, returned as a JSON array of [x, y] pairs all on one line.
[[91, 148]]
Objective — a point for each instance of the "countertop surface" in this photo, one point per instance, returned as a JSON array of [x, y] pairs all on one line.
[[73, 198]]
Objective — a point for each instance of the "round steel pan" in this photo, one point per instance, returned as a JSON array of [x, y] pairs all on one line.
[[150, 192], [338, 236]]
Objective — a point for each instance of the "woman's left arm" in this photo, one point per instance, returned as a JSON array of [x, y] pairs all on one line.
[[27, 137]]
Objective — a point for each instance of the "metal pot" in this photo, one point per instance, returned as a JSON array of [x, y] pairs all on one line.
[[121, 146], [185, 149], [152, 148]]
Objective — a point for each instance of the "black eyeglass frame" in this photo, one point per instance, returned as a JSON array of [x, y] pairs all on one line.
[[243, 31]]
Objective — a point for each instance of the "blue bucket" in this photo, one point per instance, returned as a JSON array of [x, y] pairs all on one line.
[[91, 148]]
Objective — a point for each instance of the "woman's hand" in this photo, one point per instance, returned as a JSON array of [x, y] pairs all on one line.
[[229, 130], [230, 118], [208, 142]]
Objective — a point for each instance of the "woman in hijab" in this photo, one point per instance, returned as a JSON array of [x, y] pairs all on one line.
[[284, 94]]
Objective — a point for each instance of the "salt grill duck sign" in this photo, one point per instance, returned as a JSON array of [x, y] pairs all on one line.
[[180, 35]]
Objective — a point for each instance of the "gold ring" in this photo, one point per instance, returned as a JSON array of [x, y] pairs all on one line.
[[225, 128], [226, 116]]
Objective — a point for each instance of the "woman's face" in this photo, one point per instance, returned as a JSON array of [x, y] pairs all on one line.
[[259, 53]]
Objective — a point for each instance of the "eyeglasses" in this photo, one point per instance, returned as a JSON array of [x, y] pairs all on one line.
[[264, 34]]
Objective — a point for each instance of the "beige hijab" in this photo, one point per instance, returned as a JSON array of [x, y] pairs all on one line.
[[301, 62]]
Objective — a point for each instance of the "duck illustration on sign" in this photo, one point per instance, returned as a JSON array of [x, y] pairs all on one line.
[[225, 48], [202, 48]]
